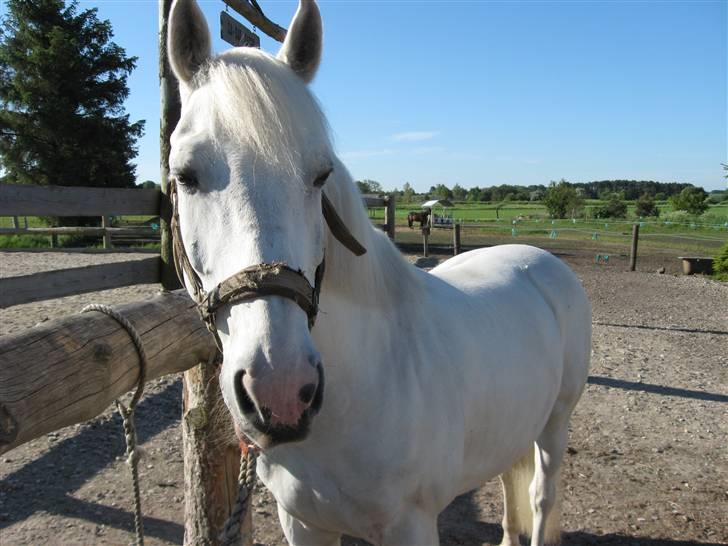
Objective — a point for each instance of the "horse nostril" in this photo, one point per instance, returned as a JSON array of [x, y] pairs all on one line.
[[246, 405], [307, 393]]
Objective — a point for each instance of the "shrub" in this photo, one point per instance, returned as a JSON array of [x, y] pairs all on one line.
[[562, 200], [678, 216], [720, 263], [646, 207], [614, 208], [691, 200], [23, 241]]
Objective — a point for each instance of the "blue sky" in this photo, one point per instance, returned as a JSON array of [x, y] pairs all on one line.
[[484, 93]]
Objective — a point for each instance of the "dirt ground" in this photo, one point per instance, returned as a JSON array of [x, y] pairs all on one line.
[[647, 462]]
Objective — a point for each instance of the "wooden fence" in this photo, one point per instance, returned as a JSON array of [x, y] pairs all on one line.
[[17, 200]]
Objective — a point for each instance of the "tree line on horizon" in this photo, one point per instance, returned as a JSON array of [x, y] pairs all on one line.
[[629, 190]]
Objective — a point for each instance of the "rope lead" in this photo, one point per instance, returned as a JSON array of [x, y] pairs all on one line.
[[127, 413], [246, 477]]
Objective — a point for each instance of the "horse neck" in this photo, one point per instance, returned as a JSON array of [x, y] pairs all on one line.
[[381, 277]]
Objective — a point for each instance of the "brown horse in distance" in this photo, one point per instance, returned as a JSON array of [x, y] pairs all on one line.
[[418, 216]]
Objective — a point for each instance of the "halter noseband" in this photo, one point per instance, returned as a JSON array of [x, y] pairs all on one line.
[[266, 279]]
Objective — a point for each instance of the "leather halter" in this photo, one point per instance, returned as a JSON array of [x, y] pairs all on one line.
[[266, 279]]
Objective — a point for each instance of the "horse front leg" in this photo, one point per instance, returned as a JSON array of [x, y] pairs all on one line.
[[299, 533]]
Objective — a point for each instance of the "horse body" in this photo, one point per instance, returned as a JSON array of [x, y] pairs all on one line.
[[370, 422], [417, 417]]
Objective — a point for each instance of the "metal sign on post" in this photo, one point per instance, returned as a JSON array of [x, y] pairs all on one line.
[[237, 34]]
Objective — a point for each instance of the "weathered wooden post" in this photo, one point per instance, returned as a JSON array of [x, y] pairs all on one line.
[[105, 223], [170, 112], [633, 250], [456, 239], [389, 215], [425, 237], [210, 467], [16, 224]]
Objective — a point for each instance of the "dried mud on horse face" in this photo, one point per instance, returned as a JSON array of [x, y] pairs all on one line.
[[646, 463]]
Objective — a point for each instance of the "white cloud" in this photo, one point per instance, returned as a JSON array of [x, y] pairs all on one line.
[[414, 136]]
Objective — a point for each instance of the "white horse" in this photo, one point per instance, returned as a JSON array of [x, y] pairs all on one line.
[[413, 413]]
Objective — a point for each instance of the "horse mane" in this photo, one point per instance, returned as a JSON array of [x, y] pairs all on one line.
[[258, 100]]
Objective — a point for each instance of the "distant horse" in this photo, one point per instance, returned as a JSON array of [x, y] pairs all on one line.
[[412, 413], [420, 216]]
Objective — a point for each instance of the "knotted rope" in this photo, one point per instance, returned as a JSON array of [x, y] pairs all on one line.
[[230, 534], [127, 412], [246, 477]]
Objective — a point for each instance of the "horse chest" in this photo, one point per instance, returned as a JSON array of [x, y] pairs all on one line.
[[333, 496]]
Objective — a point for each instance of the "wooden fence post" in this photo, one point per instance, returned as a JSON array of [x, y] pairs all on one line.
[[425, 237], [16, 224], [633, 250], [389, 215], [456, 239], [211, 466], [211, 472], [105, 223]]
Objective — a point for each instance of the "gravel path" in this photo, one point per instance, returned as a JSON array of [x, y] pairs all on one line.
[[647, 463]]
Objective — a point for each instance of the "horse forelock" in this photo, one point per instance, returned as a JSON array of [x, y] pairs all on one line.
[[257, 101]]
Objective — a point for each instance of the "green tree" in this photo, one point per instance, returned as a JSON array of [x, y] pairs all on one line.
[[408, 193], [690, 199], [369, 186], [474, 194], [441, 190], [459, 193], [562, 200], [646, 206], [613, 208], [149, 185], [63, 83]]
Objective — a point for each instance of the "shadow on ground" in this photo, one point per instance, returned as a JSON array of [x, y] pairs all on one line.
[[76, 460], [459, 526]]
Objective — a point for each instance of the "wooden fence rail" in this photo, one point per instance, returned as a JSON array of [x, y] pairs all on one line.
[[69, 370], [27, 200], [78, 280], [82, 230]]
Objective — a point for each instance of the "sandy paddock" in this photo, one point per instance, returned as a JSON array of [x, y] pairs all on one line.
[[647, 463]]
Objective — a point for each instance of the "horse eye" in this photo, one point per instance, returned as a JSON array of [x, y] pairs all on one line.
[[188, 180], [321, 179]]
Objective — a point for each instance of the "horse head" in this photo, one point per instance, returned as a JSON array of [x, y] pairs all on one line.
[[248, 162]]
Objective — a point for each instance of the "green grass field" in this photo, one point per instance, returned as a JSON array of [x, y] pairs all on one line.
[[486, 223], [529, 222]]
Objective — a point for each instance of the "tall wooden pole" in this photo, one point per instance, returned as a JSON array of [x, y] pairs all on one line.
[[633, 250], [211, 468], [170, 112], [456, 239]]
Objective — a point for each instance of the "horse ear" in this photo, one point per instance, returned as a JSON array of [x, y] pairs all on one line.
[[188, 39], [302, 48]]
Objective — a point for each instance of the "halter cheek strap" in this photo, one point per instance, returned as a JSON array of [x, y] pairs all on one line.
[[266, 279]]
